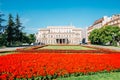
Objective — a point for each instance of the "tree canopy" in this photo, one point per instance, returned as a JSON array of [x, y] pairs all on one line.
[[107, 35], [13, 34], [1, 21]]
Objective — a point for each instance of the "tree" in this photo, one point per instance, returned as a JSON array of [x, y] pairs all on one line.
[[18, 29], [3, 40], [116, 35], [110, 34], [106, 35], [1, 20], [10, 31], [2, 34], [28, 38], [12, 35], [94, 37], [25, 38], [31, 38]]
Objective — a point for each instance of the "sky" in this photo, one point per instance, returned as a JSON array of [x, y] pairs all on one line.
[[36, 14]]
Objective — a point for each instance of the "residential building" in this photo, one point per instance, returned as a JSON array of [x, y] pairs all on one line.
[[114, 20], [98, 24]]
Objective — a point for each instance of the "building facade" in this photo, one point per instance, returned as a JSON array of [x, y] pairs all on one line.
[[59, 35], [114, 20]]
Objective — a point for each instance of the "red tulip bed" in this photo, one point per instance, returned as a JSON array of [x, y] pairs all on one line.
[[47, 66]]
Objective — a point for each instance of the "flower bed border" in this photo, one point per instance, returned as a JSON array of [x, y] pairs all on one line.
[[97, 50]]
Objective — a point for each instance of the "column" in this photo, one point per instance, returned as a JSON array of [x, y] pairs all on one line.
[[58, 41], [65, 41]]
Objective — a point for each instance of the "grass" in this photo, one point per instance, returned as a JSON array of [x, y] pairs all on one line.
[[98, 76], [67, 47], [7, 52], [119, 46]]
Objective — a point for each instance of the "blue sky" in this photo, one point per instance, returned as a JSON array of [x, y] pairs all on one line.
[[37, 14]]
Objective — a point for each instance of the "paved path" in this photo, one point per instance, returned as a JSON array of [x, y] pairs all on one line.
[[9, 49]]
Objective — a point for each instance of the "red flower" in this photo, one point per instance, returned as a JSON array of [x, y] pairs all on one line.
[[26, 65]]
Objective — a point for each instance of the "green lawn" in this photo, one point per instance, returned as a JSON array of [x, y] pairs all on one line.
[[67, 47], [119, 46], [99, 76], [7, 52]]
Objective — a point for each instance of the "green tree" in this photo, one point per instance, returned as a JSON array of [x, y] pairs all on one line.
[[116, 35], [28, 38], [1, 20], [18, 29], [2, 34], [31, 38], [110, 35], [95, 37], [25, 38], [107, 35], [3, 40], [10, 31]]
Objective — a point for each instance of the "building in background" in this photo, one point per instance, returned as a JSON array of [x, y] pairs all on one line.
[[59, 35], [84, 35], [98, 24], [114, 20]]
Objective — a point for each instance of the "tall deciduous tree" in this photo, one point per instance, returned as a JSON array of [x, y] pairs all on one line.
[[116, 35], [95, 37], [106, 35]]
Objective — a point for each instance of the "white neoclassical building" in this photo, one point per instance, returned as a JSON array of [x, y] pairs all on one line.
[[59, 35]]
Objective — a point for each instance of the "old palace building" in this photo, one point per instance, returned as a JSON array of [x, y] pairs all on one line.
[[59, 35]]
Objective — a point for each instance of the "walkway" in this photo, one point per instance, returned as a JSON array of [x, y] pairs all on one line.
[[9, 49]]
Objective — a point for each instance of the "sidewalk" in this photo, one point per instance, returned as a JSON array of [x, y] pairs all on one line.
[[9, 49]]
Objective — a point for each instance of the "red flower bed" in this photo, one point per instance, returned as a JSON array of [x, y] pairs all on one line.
[[28, 65]]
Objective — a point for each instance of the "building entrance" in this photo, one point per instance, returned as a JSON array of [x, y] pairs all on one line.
[[62, 41]]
